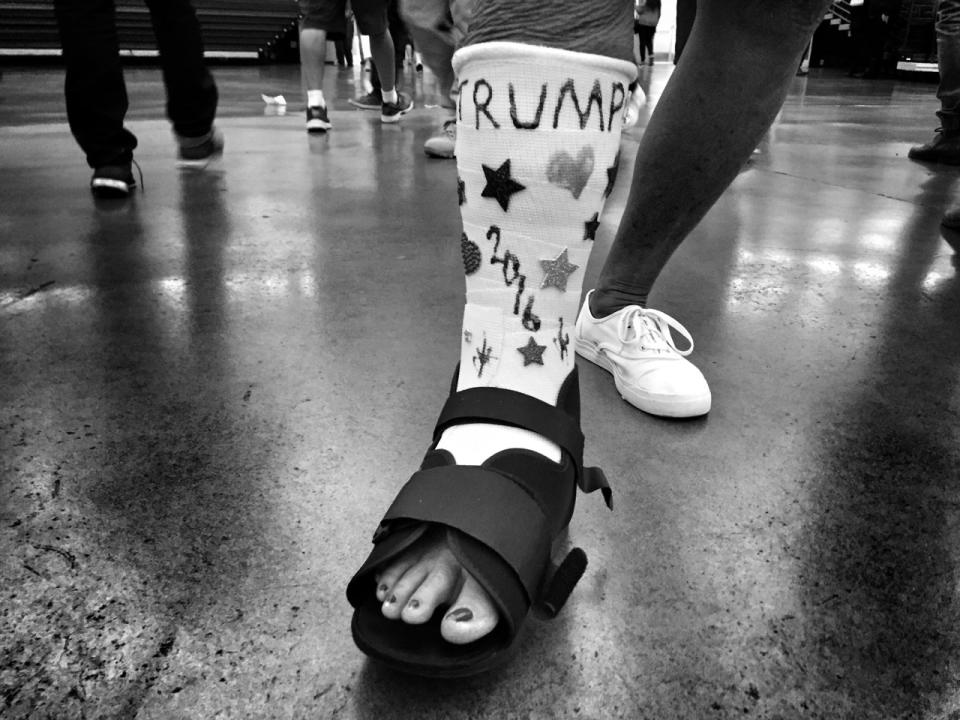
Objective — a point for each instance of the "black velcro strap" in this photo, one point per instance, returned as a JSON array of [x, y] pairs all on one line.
[[592, 478], [488, 507], [508, 407]]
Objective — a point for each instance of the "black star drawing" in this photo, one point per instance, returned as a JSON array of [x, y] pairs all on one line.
[[461, 191], [532, 353], [500, 185], [612, 176], [590, 227], [556, 272]]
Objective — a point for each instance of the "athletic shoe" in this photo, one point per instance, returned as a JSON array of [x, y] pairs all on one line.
[[444, 143], [635, 345], [113, 181], [371, 101], [392, 112], [944, 148], [191, 153], [317, 121]]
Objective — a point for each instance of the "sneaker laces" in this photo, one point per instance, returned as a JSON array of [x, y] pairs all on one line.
[[651, 330], [143, 189]]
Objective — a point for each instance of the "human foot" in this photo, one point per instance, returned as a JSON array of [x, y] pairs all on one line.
[[428, 575]]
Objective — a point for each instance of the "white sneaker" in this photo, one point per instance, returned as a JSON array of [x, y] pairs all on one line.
[[635, 345], [444, 143]]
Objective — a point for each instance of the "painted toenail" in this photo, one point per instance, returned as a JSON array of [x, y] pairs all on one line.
[[392, 600], [414, 604], [383, 588], [461, 615]]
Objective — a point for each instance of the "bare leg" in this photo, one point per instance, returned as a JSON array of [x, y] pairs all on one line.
[[313, 55], [382, 52], [721, 99]]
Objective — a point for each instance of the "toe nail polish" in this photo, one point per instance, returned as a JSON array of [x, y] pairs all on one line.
[[391, 600], [461, 615], [414, 604], [383, 588]]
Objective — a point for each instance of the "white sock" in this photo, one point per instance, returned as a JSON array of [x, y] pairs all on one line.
[[538, 139], [389, 96], [315, 98]]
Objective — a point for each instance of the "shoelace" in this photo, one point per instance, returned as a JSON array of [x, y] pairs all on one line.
[[143, 189], [651, 330]]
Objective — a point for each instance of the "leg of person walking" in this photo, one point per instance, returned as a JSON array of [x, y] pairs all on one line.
[[717, 105], [437, 28], [317, 18], [191, 90], [372, 20], [96, 95]]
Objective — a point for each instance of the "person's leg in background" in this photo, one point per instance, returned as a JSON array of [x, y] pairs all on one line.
[[400, 36], [317, 18], [348, 35], [96, 94], [437, 27], [191, 90], [651, 31], [945, 146], [645, 37], [372, 21]]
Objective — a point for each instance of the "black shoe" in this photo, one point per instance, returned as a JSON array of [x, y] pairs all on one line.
[[317, 121], [944, 148], [392, 112], [113, 181], [192, 153], [371, 101]]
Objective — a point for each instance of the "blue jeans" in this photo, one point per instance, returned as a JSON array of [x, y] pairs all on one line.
[[948, 52]]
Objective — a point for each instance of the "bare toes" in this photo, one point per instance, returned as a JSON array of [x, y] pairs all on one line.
[[471, 616], [439, 587], [391, 576], [399, 595]]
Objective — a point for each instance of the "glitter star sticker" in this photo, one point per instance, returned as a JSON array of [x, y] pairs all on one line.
[[532, 353], [556, 272], [590, 227], [500, 186]]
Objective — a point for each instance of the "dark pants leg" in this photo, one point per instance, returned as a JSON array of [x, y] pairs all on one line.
[[191, 90], [645, 39], [95, 92]]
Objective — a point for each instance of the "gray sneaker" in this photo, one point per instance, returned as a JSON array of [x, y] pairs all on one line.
[[199, 152], [444, 143]]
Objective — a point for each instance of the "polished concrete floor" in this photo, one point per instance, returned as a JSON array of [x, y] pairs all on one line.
[[210, 393]]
